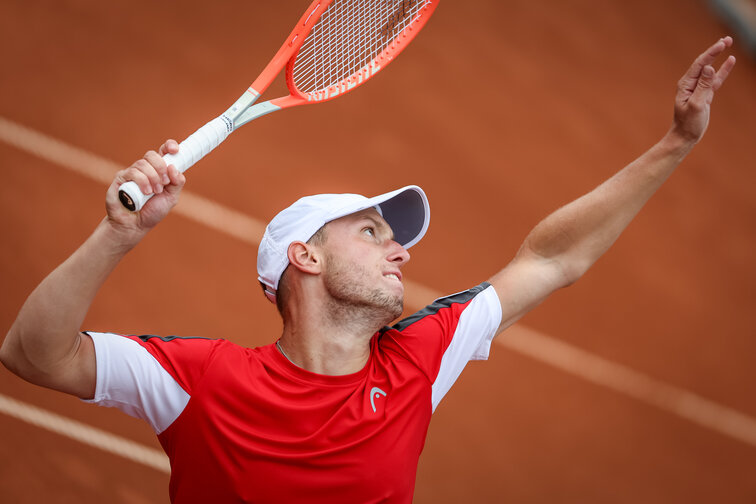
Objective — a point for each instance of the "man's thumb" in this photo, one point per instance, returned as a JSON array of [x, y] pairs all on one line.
[[707, 76]]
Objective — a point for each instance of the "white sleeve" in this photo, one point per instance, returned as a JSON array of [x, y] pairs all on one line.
[[131, 379], [471, 341]]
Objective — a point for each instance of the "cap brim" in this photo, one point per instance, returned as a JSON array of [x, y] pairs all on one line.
[[406, 210]]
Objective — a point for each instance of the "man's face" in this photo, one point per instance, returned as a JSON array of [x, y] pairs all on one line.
[[362, 263]]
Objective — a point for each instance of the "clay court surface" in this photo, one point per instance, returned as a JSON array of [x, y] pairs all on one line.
[[502, 111]]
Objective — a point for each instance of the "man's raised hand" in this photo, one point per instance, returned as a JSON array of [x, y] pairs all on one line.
[[695, 91], [153, 177]]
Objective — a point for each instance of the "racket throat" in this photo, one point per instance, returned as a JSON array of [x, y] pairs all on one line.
[[239, 108], [243, 110], [256, 111]]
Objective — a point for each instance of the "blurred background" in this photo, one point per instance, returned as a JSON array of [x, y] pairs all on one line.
[[637, 384]]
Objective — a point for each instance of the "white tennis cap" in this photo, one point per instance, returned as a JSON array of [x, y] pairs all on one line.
[[406, 210]]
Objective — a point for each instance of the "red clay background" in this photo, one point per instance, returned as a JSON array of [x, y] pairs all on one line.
[[502, 111]]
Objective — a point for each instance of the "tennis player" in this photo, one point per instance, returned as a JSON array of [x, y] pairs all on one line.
[[337, 409]]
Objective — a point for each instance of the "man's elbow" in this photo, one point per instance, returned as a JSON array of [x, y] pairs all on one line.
[[16, 360], [5, 353], [12, 355]]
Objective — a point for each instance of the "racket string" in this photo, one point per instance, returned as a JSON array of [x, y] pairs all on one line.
[[347, 37]]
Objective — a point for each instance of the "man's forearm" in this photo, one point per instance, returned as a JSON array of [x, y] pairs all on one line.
[[44, 345], [45, 333], [578, 234]]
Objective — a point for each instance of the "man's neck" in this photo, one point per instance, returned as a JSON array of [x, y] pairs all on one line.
[[330, 341]]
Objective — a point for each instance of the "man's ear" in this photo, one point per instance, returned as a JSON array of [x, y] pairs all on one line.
[[304, 257]]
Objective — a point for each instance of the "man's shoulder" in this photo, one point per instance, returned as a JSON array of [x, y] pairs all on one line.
[[193, 348], [458, 300]]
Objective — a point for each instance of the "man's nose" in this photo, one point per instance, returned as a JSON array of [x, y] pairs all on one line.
[[398, 253]]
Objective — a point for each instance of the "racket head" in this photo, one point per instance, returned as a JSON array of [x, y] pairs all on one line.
[[290, 46], [348, 44]]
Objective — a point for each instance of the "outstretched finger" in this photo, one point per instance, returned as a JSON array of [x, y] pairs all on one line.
[[724, 71], [705, 58]]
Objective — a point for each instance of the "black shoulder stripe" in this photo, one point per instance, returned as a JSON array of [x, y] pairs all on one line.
[[438, 304], [169, 338]]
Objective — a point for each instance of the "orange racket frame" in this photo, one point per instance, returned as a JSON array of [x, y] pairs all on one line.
[[209, 136]]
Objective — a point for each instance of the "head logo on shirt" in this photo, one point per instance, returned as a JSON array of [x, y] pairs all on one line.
[[375, 393]]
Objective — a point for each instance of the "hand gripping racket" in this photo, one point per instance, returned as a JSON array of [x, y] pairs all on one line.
[[336, 46]]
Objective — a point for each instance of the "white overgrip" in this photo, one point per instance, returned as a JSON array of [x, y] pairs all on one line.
[[200, 143], [191, 150]]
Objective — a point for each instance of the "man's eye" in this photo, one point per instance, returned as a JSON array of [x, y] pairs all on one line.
[[370, 231]]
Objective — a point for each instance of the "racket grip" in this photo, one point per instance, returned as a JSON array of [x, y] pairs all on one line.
[[191, 150]]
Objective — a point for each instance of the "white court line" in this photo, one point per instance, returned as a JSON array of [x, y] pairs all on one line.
[[523, 340], [624, 380], [85, 434]]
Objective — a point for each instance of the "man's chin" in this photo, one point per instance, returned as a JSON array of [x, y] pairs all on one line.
[[392, 306], [395, 311]]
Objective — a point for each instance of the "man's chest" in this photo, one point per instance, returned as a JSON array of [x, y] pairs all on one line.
[[285, 435]]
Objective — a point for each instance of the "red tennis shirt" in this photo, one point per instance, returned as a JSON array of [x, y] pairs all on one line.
[[246, 425]]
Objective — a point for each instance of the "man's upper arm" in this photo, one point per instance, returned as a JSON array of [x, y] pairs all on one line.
[[524, 283], [74, 374]]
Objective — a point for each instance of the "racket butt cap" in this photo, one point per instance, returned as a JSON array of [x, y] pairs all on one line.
[[131, 196], [126, 201]]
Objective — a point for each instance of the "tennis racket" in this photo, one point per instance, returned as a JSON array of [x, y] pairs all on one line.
[[335, 47]]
